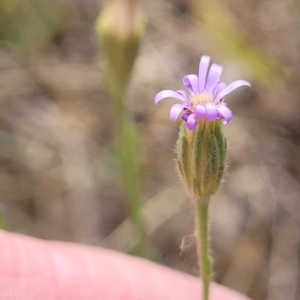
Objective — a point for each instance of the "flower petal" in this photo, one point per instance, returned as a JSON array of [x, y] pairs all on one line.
[[200, 111], [211, 112], [213, 77], [203, 68], [231, 87], [185, 116], [191, 122], [191, 82], [183, 93], [168, 93], [220, 87], [175, 111], [225, 113]]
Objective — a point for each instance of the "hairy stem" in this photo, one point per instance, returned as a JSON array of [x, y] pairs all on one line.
[[201, 214]]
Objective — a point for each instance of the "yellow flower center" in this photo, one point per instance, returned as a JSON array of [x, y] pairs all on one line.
[[200, 99]]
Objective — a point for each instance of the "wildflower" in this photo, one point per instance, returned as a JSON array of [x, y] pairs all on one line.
[[201, 147], [206, 100]]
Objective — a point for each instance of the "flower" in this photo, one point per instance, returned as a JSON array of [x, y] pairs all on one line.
[[206, 100]]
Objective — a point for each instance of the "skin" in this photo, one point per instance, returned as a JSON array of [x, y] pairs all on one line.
[[35, 269]]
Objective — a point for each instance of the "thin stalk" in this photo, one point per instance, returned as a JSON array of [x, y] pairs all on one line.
[[126, 144], [202, 237]]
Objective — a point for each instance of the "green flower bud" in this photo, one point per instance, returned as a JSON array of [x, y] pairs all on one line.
[[201, 157], [120, 28]]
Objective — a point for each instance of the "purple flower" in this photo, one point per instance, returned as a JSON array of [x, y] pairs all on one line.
[[206, 99]]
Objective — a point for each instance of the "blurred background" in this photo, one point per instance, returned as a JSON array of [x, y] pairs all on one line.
[[59, 177]]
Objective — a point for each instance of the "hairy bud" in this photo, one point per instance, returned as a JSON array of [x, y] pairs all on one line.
[[201, 156]]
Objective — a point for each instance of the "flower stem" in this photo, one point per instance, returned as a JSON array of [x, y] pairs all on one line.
[[201, 214], [126, 144]]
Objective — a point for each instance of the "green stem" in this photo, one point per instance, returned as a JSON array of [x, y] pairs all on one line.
[[201, 214], [131, 178], [126, 143]]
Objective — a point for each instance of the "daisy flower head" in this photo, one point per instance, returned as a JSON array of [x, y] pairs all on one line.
[[206, 99]]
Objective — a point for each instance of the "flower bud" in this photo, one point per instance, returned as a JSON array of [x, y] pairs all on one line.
[[201, 156], [120, 28]]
